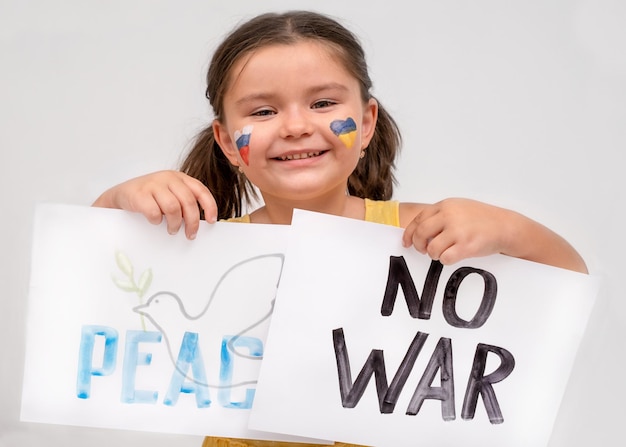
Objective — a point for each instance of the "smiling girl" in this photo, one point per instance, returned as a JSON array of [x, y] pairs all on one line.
[[294, 119]]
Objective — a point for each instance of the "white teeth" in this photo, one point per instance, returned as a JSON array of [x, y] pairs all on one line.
[[300, 156]]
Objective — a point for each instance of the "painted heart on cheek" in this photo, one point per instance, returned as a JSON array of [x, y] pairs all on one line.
[[345, 130], [242, 139], [244, 151]]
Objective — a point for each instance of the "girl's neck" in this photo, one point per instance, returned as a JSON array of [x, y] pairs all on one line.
[[280, 211]]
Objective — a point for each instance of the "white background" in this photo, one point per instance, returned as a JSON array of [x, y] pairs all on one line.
[[521, 104]]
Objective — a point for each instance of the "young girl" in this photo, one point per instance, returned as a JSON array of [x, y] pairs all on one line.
[[294, 117]]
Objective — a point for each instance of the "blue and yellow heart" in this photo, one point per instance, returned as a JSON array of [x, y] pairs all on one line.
[[345, 130]]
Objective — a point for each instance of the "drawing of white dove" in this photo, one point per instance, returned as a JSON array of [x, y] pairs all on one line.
[[238, 309]]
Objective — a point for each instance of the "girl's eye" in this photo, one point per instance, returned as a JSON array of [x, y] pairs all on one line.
[[322, 103], [264, 112]]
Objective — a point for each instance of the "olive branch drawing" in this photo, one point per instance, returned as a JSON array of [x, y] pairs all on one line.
[[128, 284]]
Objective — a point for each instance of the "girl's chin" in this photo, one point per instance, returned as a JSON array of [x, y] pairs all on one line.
[[303, 192]]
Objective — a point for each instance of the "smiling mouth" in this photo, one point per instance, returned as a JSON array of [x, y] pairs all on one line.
[[300, 156]]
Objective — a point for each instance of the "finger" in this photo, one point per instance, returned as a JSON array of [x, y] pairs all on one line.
[[414, 235], [190, 213], [426, 231], [427, 212], [146, 205], [410, 237], [451, 255], [438, 245], [153, 213], [407, 236], [170, 208], [204, 197]]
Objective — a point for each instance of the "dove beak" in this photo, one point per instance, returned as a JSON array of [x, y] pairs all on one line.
[[139, 308]]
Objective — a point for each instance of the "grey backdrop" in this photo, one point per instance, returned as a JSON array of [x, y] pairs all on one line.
[[522, 104]]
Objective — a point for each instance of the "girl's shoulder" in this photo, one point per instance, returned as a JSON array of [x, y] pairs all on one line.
[[241, 219], [391, 212], [382, 211]]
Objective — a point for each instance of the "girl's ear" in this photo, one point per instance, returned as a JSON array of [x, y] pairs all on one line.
[[225, 142], [370, 116]]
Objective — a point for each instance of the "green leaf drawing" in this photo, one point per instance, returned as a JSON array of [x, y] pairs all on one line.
[[144, 282], [125, 284], [128, 284], [124, 263]]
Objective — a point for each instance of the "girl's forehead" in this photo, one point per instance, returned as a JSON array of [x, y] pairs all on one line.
[[305, 52]]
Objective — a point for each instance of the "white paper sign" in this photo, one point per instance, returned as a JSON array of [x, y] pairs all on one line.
[[372, 343], [129, 327]]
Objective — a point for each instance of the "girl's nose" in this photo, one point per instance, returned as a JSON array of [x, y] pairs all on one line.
[[295, 124]]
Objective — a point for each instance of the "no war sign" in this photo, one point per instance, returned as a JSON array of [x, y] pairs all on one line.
[[379, 345]]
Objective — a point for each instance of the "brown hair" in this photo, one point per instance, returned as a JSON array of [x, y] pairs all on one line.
[[373, 177]]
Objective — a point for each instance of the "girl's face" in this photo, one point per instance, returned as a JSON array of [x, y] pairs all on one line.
[[294, 121]]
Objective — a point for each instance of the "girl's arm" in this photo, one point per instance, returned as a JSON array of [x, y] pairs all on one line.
[[454, 229], [172, 194]]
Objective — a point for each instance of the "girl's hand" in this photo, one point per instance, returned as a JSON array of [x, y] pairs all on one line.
[[172, 194], [455, 229]]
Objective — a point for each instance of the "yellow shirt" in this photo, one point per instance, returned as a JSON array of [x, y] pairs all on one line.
[[384, 212], [379, 211], [232, 442]]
